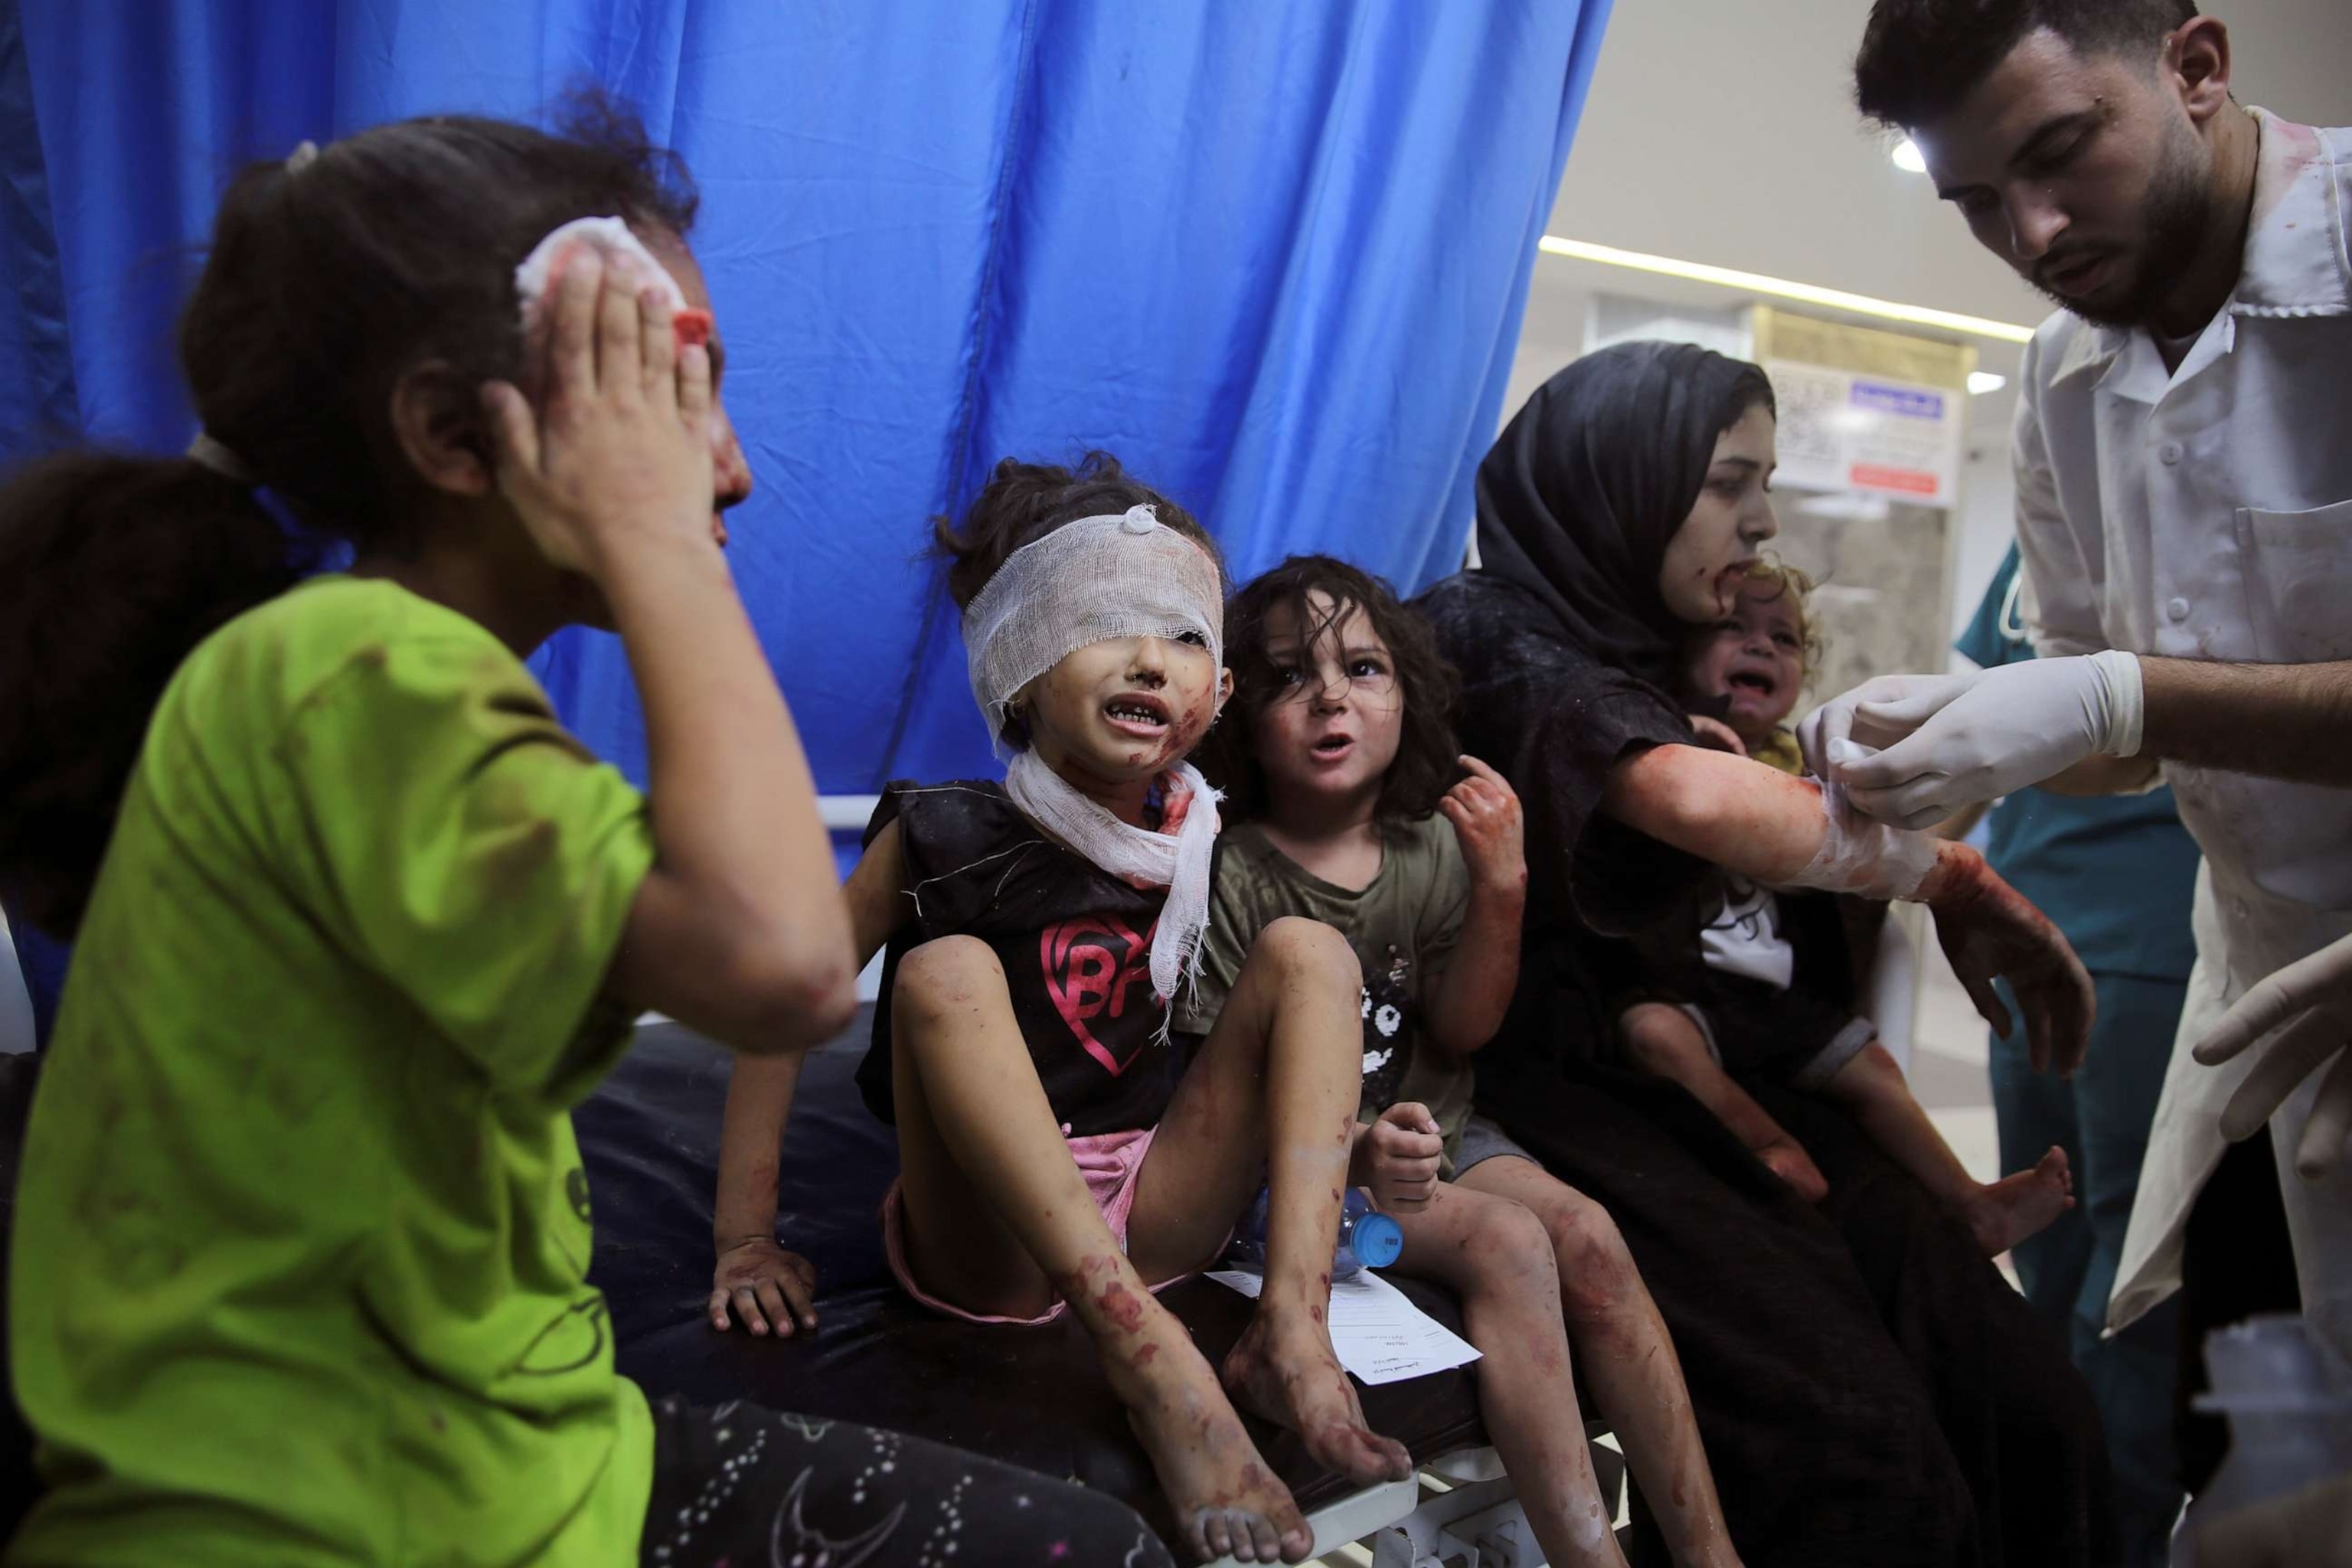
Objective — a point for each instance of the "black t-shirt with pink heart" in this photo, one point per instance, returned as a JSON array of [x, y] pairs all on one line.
[[1075, 941]]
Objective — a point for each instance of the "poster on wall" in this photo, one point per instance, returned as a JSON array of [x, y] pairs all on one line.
[[1841, 430]]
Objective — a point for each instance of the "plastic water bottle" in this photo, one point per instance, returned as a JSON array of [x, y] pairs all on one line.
[[2288, 1396], [1368, 1238]]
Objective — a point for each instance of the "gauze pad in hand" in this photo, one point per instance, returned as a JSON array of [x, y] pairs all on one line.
[[625, 255], [1862, 856]]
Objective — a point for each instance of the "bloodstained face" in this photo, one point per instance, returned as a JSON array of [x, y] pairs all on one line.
[[1124, 710], [1710, 553], [1338, 717], [1756, 656]]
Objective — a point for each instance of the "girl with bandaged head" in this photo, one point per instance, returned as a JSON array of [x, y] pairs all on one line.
[[1055, 1154], [301, 1234]]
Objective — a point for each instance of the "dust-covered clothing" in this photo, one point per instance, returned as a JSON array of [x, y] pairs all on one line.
[[1075, 943], [1404, 925]]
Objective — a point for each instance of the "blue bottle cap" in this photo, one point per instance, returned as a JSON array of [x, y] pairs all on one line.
[[1376, 1240]]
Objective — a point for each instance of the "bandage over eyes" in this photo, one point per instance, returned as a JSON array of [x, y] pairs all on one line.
[[626, 257], [1088, 582], [1092, 581]]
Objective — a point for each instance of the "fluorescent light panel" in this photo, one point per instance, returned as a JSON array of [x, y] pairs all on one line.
[[1783, 289]]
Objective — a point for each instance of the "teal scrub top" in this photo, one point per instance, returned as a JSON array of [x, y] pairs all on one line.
[[2115, 873]]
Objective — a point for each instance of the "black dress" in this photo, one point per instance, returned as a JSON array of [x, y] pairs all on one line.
[[1075, 943], [1870, 1389]]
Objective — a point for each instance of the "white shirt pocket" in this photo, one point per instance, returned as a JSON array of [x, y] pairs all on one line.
[[2298, 576]]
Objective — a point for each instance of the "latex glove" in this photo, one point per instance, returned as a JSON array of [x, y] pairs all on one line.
[[2308, 1529], [1822, 733], [1952, 741], [2312, 998]]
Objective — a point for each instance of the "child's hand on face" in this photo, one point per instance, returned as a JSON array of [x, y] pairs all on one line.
[[1485, 811], [616, 456], [769, 1288], [1787, 1159], [1396, 1158], [1716, 735]]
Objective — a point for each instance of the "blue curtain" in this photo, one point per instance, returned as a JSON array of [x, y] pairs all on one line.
[[1272, 255]]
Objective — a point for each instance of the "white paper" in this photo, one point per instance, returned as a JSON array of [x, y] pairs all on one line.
[[1376, 1331]]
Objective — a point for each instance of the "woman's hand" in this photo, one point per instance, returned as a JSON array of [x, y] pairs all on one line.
[[1487, 821], [616, 456], [1989, 930], [769, 1288], [1396, 1158]]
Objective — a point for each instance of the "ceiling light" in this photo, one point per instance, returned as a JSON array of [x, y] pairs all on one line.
[[1783, 289], [1983, 380], [1908, 158]]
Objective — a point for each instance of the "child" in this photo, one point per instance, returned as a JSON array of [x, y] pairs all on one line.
[[1050, 1153], [1764, 989], [1341, 751], [303, 1235]]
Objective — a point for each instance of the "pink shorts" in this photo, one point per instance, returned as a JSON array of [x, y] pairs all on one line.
[[1110, 1163]]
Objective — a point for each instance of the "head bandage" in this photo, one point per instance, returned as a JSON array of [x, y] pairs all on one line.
[[624, 257], [1091, 581], [1088, 582]]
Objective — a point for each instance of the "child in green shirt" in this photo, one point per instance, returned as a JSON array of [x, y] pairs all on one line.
[[301, 1238]]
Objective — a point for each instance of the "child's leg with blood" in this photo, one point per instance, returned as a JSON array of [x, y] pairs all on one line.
[[1629, 1360], [997, 1219], [1276, 1080], [1497, 1259], [2001, 1214]]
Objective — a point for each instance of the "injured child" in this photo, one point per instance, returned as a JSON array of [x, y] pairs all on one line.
[[1757, 983], [1056, 1151], [1340, 762]]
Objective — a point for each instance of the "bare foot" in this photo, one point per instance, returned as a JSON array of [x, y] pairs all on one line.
[[2006, 1212], [1225, 1500], [1786, 1160], [1284, 1370]]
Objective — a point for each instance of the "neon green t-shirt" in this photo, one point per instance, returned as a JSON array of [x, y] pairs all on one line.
[[301, 1239]]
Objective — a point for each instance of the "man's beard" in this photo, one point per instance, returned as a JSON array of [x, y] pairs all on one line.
[[2175, 222]]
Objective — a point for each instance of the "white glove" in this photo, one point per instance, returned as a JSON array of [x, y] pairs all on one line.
[[2313, 998], [1951, 741]]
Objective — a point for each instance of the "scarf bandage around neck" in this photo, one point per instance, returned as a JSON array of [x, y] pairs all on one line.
[[1091, 581]]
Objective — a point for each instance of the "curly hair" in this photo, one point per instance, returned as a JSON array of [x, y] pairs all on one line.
[[1425, 765], [1786, 580], [326, 282]]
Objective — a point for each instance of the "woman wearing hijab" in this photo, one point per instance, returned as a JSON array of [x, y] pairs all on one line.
[[1870, 1388]]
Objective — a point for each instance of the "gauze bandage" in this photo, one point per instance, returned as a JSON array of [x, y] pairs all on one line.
[[1863, 857], [1092, 581], [624, 257]]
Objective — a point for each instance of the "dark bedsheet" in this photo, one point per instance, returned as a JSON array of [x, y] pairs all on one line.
[[1031, 1397]]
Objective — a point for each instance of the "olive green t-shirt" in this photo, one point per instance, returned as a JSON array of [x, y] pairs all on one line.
[[1404, 925], [302, 1237]]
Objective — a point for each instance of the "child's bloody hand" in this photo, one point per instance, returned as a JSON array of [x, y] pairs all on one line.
[[1485, 811], [1787, 1159], [769, 1288], [1717, 736], [1398, 1156]]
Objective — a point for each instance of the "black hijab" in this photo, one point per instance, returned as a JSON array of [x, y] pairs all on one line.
[[1580, 494]]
